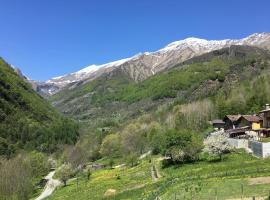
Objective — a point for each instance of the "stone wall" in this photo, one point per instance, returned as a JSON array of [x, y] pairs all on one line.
[[238, 143], [260, 149]]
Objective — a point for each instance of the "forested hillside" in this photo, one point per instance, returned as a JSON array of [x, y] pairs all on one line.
[[113, 98], [27, 121]]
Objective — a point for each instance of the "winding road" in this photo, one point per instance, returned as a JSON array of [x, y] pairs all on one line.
[[49, 187]]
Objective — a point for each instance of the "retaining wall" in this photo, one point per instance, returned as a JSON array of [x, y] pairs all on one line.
[[260, 149], [238, 143]]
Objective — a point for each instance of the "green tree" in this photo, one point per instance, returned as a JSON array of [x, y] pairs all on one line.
[[157, 140], [111, 145], [132, 159], [133, 138], [183, 146], [38, 163], [16, 179], [65, 172], [217, 145]]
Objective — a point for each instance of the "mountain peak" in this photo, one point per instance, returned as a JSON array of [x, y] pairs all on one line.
[[146, 64], [188, 41]]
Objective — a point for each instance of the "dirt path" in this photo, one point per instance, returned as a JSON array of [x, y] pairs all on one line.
[[155, 173], [249, 198], [144, 155], [259, 180], [49, 187]]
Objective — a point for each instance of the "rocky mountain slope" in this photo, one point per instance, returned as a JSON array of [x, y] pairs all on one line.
[[144, 65]]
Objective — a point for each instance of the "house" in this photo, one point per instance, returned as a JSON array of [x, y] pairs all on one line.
[[231, 121], [254, 122], [250, 132], [218, 123], [265, 115]]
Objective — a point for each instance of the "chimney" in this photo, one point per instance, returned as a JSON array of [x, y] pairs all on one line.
[[267, 106]]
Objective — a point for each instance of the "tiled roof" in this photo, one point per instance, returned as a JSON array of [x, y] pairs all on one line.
[[252, 118], [218, 121], [233, 118]]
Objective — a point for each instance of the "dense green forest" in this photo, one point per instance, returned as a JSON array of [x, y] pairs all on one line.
[[27, 121]]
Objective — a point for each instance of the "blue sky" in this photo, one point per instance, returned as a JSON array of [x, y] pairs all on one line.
[[53, 37]]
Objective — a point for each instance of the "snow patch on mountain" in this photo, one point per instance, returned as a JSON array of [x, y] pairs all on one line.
[[146, 64]]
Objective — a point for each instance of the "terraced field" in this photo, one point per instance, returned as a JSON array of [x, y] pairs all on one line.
[[232, 178]]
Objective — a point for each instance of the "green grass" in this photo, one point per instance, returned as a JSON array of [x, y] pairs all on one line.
[[134, 183], [222, 188], [264, 140], [226, 177]]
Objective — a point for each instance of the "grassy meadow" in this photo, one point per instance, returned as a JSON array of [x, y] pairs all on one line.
[[233, 177]]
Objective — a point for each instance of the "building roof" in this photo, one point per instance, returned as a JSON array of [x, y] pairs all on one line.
[[233, 118], [218, 121], [261, 115], [252, 118], [266, 110], [237, 130]]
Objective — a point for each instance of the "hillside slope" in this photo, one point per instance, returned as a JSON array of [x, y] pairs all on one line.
[[26, 120], [114, 97]]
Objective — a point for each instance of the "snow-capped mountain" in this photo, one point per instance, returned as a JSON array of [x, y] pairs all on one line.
[[143, 65]]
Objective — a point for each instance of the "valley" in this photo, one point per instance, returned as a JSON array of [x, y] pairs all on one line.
[[137, 128]]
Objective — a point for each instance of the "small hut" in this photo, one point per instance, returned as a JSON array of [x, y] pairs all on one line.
[[218, 123], [231, 121]]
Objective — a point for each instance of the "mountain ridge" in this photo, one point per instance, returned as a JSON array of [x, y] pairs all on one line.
[[144, 65]]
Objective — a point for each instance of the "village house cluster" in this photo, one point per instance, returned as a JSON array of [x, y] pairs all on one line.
[[251, 132], [236, 126]]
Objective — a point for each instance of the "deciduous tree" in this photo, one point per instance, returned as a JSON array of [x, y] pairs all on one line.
[[217, 145]]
